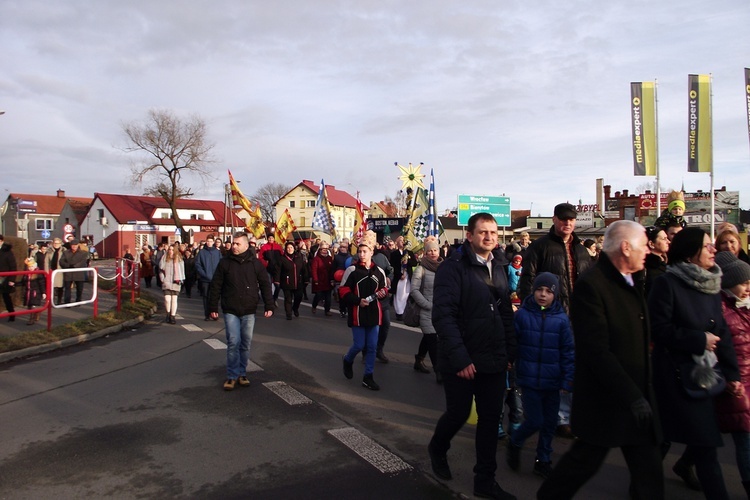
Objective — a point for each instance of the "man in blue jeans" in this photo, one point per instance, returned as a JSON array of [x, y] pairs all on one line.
[[237, 279]]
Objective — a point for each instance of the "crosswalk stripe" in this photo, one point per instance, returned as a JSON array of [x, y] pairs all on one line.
[[215, 343], [192, 328], [377, 456], [289, 394]]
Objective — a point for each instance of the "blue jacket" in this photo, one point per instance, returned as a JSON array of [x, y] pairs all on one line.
[[206, 263], [546, 355], [472, 315]]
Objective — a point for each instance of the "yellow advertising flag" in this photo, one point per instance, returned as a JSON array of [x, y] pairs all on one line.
[[643, 122], [700, 141]]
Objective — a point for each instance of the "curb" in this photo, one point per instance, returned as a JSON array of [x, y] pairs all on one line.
[[78, 339]]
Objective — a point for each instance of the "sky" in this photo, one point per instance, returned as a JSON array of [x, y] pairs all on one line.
[[515, 98]]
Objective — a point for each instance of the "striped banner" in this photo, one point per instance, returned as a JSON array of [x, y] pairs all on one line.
[[700, 143], [643, 121]]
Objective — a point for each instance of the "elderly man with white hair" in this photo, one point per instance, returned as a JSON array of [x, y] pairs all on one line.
[[614, 399]]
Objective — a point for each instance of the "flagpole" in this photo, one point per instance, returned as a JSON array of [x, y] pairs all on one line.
[[710, 114], [656, 137]]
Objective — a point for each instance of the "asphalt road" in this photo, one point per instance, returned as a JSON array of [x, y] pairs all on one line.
[[142, 414]]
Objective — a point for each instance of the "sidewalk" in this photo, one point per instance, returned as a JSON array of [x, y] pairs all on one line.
[[61, 316]]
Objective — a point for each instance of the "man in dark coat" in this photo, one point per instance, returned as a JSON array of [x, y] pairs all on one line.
[[239, 281], [473, 319], [7, 283], [75, 258], [614, 398]]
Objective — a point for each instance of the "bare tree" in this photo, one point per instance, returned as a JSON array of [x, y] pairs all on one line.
[[171, 148], [266, 196]]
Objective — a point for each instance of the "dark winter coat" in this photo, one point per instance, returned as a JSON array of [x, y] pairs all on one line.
[[322, 273], [680, 316], [206, 263], [733, 413], [613, 370], [655, 267], [7, 264], [472, 314], [547, 254], [237, 280], [546, 354], [74, 260], [359, 283], [291, 272], [34, 286]]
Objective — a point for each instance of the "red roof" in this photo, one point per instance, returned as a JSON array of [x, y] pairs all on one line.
[[126, 208], [49, 204], [335, 196]]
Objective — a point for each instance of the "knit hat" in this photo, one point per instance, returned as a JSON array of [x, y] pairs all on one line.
[[733, 270], [546, 279], [30, 262], [431, 243], [289, 243]]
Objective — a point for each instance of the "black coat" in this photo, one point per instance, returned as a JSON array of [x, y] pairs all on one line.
[[7, 264], [236, 281], [655, 267], [472, 316], [547, 254], [291, 272], [680, 316], [613, 369]]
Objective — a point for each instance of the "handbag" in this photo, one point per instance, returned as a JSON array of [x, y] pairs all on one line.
[[702, 379], [412, 309]]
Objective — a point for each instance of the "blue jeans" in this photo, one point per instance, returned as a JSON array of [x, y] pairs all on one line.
[[540, 412], [239, 335], [742, 452], [364, 335]]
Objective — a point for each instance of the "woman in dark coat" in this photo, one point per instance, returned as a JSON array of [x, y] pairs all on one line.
[[147, 266], [734, 413], [656, 261], [291, 274], [686, 321], [321, 269], [7, 283]]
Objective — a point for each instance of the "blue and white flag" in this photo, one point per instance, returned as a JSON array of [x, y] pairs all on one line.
[[323, 218]]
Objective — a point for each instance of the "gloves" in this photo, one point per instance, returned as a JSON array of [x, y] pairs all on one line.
[[641, 411]]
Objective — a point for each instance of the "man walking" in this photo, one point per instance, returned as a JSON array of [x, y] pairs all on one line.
[[237, 280], [75, 258], [205, 265], [613, 377], [559, 252], [473, 319]]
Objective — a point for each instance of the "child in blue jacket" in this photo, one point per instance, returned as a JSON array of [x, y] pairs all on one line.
[[544, 367]]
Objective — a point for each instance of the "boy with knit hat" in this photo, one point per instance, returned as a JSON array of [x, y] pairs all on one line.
[[544, 367]]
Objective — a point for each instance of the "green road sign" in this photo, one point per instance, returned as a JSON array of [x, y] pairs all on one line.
[[470, 204]]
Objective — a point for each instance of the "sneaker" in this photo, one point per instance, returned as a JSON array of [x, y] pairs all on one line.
[[368, 382], [514, 456], [501, 434], [229, 384], [243, 381], [543, 469], [348, 371], [687, 474], [439, 464], [494, 491]]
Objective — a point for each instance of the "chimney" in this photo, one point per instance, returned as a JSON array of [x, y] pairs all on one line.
[[60, 193], [624, 193]]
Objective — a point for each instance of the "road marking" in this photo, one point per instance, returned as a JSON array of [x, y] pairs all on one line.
[[252, 367], [192, 328], [215, 343], [380, 458], [289, 394]]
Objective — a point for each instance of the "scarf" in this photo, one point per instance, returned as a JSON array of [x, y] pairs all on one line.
[[430, 265], [738, 301], [706, 281]]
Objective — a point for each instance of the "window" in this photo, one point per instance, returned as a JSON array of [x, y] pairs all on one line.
[[301, 221], [628, 213], [101, 213], [44, 225], [539, 225], [291, 203], [310, 203], [196, 216], [164, 215]]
